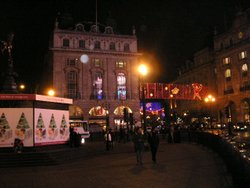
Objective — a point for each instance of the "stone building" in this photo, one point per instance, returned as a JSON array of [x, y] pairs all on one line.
[[232, 50], [97, 68], [225, 70], [201, 70]]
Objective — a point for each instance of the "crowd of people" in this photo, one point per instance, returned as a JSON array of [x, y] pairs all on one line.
[[142, 139]]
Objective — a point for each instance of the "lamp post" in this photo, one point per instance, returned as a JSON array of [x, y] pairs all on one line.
[[143, 72], [210, 99]]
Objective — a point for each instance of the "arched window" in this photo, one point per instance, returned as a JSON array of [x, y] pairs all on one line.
[[121, 86], [244, 68], [97, 111], [80, 27], [72, 79]]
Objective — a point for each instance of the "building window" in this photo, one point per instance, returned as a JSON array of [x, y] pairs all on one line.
[[228, 74], [97, 63], [246, 111], [221, 46], [80, 27], [243, 55], [121, 86], [72, 62], [121, 64], [231, 42], [65, 42], [112, 46], [109, 30], [72, 84], [97, 86], [244, 69], [97, 45], [126, 47], [240, 35], [226, 61], [81, 44]]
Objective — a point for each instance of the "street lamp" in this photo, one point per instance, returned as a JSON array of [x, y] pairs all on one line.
[[210, 99], [143, 70], [51, 92]]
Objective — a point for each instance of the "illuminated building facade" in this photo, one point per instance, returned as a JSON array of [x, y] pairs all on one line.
[[225, 71], [97, 69], [232, 52]]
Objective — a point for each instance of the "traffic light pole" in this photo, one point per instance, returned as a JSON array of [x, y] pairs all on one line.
[[143, 107]]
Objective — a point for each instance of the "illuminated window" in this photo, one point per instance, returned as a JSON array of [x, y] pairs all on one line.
[[72, 84], [121, 64], [243, 55], [226, 60], [228, 74], [97, 86], [121, 86], [240, 35], [65, 42], [97, 63], [244, 68]]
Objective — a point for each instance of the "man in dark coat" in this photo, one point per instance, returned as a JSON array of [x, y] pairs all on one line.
[[153, 140]]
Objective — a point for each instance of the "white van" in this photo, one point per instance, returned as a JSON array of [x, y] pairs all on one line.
[[80, 127]]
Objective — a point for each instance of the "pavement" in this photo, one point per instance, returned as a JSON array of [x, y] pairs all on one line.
[[179, 165]]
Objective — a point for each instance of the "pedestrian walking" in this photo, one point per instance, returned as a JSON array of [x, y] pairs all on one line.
[[138, 140], [153, 140], [108, 139], [171, 135], [71, 136]]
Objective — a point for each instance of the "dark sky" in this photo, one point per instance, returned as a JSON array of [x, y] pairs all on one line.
[[168, 31]]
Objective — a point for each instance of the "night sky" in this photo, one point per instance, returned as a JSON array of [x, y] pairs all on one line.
[[168, 31]]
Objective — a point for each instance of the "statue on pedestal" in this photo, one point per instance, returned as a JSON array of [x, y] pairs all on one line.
[[9, 84]]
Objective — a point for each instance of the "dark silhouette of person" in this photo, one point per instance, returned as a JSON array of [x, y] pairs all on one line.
[[138, 140], [108, 139], [153, 140], [71, 136]]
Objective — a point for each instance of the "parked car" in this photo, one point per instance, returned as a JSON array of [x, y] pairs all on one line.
[[240, 126]]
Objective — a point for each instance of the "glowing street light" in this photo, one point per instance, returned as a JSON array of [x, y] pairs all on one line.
[[210, 99], [143, 70], [51, 92]]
